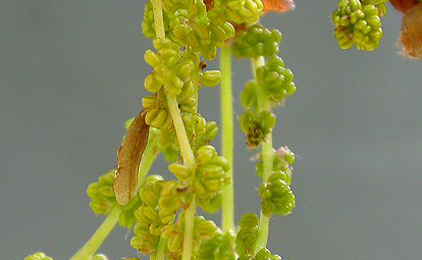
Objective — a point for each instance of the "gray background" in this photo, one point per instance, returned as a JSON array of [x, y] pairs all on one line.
[[71, 73]]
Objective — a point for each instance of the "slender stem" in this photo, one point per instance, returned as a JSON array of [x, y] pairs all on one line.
[[90, 247], [158, 19], [185, 148], [161, 252], [267, 157], [182, 137], [189, 226], [227, 136]]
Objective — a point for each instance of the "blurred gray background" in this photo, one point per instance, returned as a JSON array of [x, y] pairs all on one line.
[[71, 73]]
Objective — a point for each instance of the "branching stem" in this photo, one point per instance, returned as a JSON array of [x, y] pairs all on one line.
[[92, 245], [185, 148], [182, 137], [267, 156]]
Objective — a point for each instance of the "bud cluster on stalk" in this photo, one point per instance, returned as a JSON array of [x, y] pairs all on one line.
[[358, 23], [103, 200], [246, 240], [273, 79], [256, 41], [276, 194], [174, 233]]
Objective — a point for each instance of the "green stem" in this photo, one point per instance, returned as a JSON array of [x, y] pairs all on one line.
[[189, 226], [185, 148], [158, 19], [227, 136], [90, 247], [267, 156], [182, 137], [161, 252]]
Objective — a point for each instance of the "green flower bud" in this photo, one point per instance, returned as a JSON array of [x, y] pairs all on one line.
[[256, 41], [283, 159], [103, 200], [180, 171], [205, 154], [276, 79], [172, 196], [358, 23], [210, 78], [151, 84], [151, 218], [210, 204], [248, 234], [175, 242], [144, 241], [149, 102], [158, 117], [265, 254], [242, 11], [152, 58], [221, 246], [276, 196], [102, 194], [204, 229], [38, 256]]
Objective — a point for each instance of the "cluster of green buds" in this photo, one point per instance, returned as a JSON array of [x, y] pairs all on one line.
[[199, 131], [256, 41], [246, 239], [150, 217], [103, 200], [276, 194], [272, 83], [210, 177], [241, 11], [172, 69], [275, 81], [263, 254], [221, 246], [174, 234], [247, 235], [283, 161], [190, 24], [358, 23]]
